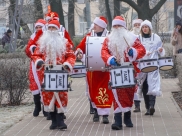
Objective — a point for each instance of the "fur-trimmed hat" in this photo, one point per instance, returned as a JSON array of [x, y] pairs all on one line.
[[146, 22], [54, 23], [139, 21], [40, 22], [101, 21], [52, 15], [118, 20]]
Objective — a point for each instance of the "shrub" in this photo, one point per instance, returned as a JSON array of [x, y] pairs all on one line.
[[77, 40], [13, 78]]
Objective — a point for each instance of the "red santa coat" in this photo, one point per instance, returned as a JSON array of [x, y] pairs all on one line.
[[123, 98], [59, 99], [101, 97], [34, 76]]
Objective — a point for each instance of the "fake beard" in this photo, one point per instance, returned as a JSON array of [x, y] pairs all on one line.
[[117, 44], [53, 45], [136, 30]]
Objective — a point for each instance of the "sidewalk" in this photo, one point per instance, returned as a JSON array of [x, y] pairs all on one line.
[[167, 120]]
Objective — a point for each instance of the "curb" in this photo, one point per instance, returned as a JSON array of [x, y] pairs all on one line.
[[175, 103]]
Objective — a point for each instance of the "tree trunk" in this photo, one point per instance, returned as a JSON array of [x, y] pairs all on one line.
[[108, 14], [38, 12], [116, 8], [56, 6], [143, 9], [71, 20], [22, 24]]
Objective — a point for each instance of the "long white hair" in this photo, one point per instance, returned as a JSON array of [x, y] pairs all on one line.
[[53, 45], [117, 44]]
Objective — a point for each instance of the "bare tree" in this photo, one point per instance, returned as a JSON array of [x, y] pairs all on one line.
[[116, 8], [38, 9], [143, 9], [108, 11], [71, 20], [56, 6]]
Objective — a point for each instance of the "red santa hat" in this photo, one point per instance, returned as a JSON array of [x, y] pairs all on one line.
[[54, 23], [52, 15], [146, 22], [139, 21], [118, 20], [101, 21], [40, 22]]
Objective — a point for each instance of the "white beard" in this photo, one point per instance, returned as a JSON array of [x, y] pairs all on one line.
[[136, 30], [117, 44], [53, 45]]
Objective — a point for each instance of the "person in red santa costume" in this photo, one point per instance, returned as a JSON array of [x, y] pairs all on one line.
[[119, 47], [136, 30], [56, 50], [97, 80], [55, 16], [34, 81]]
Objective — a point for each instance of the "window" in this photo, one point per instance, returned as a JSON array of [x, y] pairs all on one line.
[[82, 25], [170, 20], [64, 1], [2, 26], [46, 1], [134, 16], [2, 3]]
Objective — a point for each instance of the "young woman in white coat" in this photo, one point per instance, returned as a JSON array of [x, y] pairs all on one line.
[[151, 81]]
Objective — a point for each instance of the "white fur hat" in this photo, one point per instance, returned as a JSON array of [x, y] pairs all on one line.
[[139, 21], [146, 22], [101, 21], [118, 20]]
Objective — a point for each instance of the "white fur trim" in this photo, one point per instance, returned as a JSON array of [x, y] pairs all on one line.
[[119, 22], [33, 36], [146, 22], [53, 25], [47, 18], [35, 76], [139, 21], [136, 97], [131, 59], [78, 50], [161, 53], [37, 62], [39, 24], [83, 59], [109, 59], [103, 111], [69, 65], [31, 48], [34, 92], [56, 18], [120, 108], [100, 22]]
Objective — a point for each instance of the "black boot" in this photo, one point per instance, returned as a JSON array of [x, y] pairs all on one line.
[[147, 112], [54, 121], [60, 121], [127, 119], [137, 106], [96, 116], [152, 103], [91, 109], [44, 112], [118, 121], [37, 105], [152, 110], [105, 119], [48, 116], [64, 116]]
